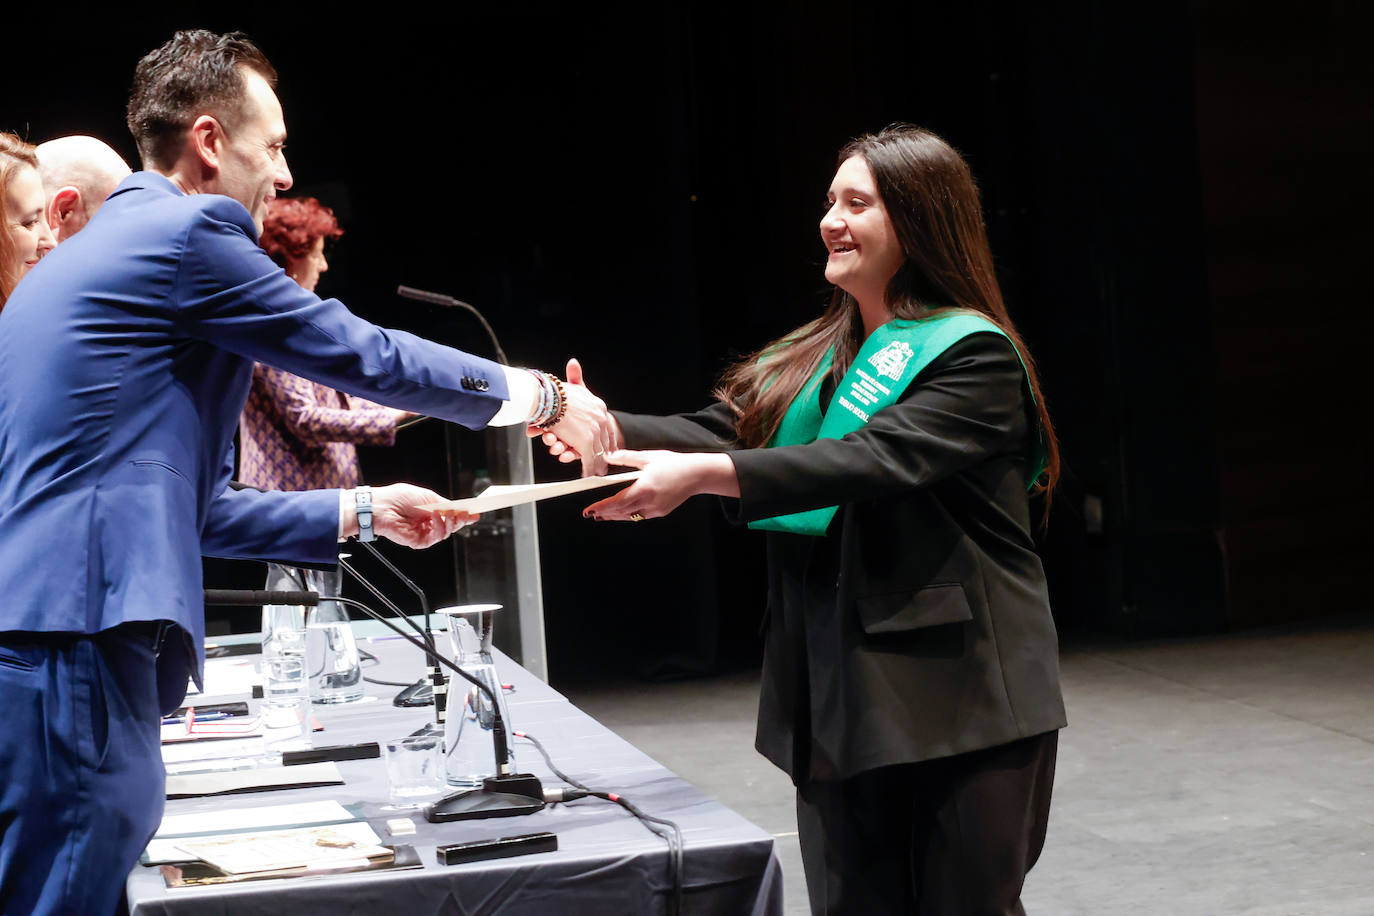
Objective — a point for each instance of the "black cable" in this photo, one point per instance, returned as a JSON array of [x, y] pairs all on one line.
[[672, 834], [553, 767], [373, 680]]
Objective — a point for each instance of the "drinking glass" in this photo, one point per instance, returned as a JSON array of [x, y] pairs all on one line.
[[414, 769]]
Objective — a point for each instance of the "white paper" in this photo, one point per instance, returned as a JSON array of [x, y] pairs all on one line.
[[185, 752], [305, 847], [232, 677], [503, 496], [260, 817], [176, 827], [193, 785]]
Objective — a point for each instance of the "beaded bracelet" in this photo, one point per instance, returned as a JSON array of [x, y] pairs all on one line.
[[560, 401], [553, 400]]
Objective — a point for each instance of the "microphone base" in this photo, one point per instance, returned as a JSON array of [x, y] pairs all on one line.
[[500, 796], [420, 693], [428, 730]]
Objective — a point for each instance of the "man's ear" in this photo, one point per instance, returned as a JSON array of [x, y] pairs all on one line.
[[207, 139], [64, 204]]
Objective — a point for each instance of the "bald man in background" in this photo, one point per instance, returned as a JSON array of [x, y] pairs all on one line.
[[78, 174]]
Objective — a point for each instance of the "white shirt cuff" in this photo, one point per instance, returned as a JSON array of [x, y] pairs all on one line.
[[523, 397]]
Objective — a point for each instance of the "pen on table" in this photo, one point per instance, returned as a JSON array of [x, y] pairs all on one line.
[[198, 717]]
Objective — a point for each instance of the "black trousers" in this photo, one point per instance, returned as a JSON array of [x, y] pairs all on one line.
[[947, 837]]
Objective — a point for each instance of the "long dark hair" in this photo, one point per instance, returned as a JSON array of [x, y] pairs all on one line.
[[932, 200]]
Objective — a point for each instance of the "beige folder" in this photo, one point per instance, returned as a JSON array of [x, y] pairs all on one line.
[[503, 496]]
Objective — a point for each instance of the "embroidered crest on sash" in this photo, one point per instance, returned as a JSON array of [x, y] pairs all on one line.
[[897, 352], [891, 360]]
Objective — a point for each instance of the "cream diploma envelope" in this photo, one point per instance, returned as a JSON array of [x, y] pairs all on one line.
[[503, 496]]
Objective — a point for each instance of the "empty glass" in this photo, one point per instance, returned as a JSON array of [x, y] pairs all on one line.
[[414, 769]]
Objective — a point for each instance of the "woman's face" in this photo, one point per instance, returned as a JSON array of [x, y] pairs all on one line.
[[306, 271], [28, 226], [856, 230]]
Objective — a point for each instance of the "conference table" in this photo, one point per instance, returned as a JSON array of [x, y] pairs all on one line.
[[606, 862]]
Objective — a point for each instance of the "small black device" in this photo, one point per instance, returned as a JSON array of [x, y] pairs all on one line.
[[363, 751], [505, 847]]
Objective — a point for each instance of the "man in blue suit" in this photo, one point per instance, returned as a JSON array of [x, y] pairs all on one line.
[[125, 359]]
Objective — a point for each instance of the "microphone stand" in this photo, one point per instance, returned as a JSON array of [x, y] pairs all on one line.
[[507, 794], [414, 695], [460, 561]]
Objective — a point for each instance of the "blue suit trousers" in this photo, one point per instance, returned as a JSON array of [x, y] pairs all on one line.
[[81, 774]]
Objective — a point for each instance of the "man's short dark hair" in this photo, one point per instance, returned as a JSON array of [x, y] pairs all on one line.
[[197, 72]]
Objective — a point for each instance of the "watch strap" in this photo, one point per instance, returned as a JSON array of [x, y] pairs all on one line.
[[362, 497]]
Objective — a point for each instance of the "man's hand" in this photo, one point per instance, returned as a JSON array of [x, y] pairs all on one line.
[[397, 516], [587, 431]]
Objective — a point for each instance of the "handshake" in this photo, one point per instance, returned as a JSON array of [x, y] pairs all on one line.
[[574, 424], [583, 430]]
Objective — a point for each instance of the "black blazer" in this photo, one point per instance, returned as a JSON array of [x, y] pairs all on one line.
[[919, 626]]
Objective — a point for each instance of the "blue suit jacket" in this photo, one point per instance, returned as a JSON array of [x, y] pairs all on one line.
[[125, 358]]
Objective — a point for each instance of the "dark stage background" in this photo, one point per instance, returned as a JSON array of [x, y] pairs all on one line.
[[1176, 192]]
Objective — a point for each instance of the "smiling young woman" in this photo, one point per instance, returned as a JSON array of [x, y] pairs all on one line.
[[906, 196], [24, 232], [887, 449]]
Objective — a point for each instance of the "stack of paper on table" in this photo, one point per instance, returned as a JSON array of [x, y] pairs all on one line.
[[262, 779], [298, 849], [178, 828]]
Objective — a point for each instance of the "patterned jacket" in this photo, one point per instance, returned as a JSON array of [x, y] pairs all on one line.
[[296, 434]]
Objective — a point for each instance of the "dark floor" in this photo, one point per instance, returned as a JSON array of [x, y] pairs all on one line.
[[1220, 775]]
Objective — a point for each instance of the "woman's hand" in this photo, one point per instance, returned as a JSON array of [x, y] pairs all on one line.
[[667, 480]]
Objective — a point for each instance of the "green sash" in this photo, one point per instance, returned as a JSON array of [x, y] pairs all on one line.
[[889, 359]]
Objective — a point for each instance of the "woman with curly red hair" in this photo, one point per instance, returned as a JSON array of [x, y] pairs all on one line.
[[294, 235], [297, 434]]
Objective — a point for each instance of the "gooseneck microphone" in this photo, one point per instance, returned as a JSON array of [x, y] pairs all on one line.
[[420, 693], [424, 295], [242, 597]]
